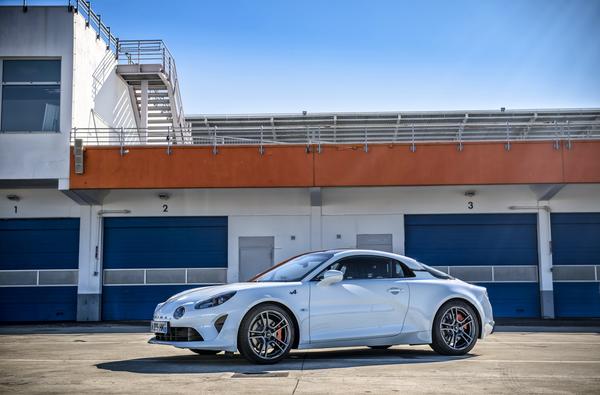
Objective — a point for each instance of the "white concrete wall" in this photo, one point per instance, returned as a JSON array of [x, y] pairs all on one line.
[[282, 227], [40, 32], [100, 96], [37, 203], [426, 200], [577, 198], [92, 94]]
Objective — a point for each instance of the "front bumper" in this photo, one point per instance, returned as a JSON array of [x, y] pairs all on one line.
[[487, 319], [488, 329], [210, 329]]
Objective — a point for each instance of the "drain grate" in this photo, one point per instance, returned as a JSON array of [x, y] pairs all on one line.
[[259, 374]]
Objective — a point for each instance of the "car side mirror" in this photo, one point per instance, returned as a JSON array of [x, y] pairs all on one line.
[[331, 277]]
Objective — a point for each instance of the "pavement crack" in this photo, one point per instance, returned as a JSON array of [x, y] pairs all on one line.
[[301, 372]]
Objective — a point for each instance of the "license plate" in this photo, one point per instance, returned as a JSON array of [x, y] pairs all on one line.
[[159, 327]]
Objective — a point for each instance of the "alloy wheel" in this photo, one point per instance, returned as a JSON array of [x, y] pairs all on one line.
[[457, 328], [269, 334]]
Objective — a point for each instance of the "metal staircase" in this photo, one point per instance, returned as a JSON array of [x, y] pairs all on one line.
[[149, 69]]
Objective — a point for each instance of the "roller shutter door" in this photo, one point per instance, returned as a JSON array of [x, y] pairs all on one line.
[[146, 260], [576, 264], [497, 251], [38, 269]]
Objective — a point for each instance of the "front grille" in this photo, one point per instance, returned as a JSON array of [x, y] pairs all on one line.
[[177, 334]]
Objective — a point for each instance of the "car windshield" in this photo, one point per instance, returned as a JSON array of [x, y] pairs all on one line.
[[294, 269]]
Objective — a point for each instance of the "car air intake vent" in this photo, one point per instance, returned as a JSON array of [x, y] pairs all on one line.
[[175, 334], [220, 322]]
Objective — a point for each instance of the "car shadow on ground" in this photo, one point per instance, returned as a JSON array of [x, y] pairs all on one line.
[[296, 361]]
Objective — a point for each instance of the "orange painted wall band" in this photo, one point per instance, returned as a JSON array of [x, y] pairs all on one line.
[[479, 163]]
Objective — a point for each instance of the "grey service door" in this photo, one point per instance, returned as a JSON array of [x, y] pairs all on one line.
[[379, 242], [256, 255]]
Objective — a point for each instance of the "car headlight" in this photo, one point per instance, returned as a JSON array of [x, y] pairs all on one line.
[[215, 301]]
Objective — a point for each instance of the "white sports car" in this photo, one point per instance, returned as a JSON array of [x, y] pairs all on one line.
[[335, 298]]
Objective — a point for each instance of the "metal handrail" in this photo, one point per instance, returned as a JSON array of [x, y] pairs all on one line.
[[154, 52], [342, 134], [94, 21]]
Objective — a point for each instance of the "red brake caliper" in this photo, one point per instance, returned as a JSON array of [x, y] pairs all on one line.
[[461, 317], [278, 334]]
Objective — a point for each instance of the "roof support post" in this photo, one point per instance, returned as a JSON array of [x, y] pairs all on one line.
[[122, 141], [170, 137], [568, 145], [214, 149], [261, 149], [319, 140]]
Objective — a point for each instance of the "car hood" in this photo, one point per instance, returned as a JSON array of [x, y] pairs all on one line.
[[203, 293]]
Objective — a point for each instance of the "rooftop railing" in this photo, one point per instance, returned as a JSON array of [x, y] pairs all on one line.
[[94, 21], [153, 52], [363, 129]]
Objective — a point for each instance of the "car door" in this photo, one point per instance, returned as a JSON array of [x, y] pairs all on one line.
[[369, 302]]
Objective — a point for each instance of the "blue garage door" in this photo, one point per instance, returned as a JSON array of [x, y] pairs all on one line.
[[497, 251], [576, 264], [38, 269], [148, 259]]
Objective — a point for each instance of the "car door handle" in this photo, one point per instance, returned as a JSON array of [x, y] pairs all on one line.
[[395, 291]]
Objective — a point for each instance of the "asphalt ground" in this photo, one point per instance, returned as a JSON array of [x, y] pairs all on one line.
[[112, 359]]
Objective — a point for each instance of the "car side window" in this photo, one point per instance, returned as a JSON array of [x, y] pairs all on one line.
[[362, 268], [401, 270]]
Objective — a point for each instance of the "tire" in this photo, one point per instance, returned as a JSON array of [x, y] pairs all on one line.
[[270, 343], [204, 352], [455, 329], [380, 347]]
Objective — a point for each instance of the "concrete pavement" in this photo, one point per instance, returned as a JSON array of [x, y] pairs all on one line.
[[117, 359]]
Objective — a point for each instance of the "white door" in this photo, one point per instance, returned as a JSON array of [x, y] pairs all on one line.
[[370, 302]]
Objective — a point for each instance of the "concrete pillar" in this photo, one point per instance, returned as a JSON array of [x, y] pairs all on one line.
[[399, 244], [316, 222], [89, 287], [545, 262]]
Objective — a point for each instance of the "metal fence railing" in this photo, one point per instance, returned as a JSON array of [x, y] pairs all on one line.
[[94, 20], [359, 133], [154, 52]]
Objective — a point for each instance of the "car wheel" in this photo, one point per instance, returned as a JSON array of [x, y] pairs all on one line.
[[204, 352], [455, 329], [266, 334], [379, 347]]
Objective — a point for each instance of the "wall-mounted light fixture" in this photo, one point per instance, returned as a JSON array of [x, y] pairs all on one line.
[[547, 208], [163, 196], [103, 212], [293, 237], [470, 193], [13, 198], [338, 236]]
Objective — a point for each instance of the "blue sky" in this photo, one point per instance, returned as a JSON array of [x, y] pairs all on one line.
[[289, 56]]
